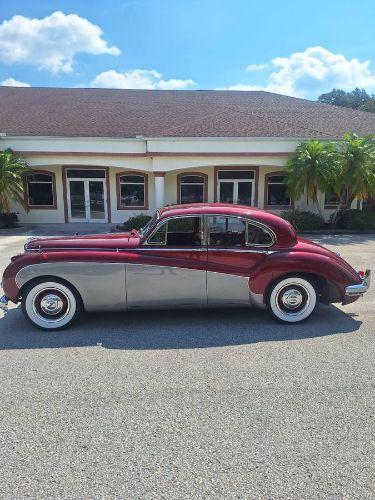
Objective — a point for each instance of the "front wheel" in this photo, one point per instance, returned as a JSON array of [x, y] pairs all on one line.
[[50, 305], [292, 299]]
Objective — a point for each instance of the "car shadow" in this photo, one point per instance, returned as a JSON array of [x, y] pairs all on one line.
[[183, 329]]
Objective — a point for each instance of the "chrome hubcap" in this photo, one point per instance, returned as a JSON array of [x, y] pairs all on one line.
[[51, 304], [292, 298]]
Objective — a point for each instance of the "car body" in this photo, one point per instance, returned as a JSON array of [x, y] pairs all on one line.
[[198, 255]]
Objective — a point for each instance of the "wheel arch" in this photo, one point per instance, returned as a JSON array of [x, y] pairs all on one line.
[[322, 285], [49, 277]]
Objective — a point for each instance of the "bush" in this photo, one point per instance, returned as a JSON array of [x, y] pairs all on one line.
[[356, 219], [8, 220], [135, 222], [303, 221]]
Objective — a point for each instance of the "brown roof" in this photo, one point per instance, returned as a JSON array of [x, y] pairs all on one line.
[[170, 113]]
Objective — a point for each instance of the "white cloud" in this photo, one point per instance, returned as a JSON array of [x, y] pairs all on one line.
[[12, 82], [138, 79], [51, 42], [256, 67], [316, 70]]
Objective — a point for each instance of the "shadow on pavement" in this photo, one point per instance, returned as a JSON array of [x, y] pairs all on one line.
[[172, 329]]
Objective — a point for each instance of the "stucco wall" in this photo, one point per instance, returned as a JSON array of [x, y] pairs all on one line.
[[171, 155]]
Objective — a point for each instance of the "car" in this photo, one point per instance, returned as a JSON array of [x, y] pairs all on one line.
[[187, 256]]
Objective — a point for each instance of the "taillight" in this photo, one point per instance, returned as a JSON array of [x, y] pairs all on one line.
[[361, 274]]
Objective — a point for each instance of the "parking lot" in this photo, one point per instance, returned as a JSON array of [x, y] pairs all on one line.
[[182, 404]]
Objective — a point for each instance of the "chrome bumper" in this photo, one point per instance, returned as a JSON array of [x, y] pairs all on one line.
[[353, 290]]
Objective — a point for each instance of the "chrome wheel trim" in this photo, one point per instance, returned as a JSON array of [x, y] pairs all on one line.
[[50, 305], [293, 299]]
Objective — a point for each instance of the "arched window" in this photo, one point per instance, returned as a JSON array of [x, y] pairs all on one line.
[[132, 191], [41, 190], [192, 188]]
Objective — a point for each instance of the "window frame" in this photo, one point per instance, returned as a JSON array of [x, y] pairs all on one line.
[[205, 225], [118, 190], [266, 184], [255, 180], [247, 222], [198, 174], [165, 221], [332, 206], [26, 191]]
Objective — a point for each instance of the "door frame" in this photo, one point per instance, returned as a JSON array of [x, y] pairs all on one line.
[[255, 181], [86, 192], [65, 187]]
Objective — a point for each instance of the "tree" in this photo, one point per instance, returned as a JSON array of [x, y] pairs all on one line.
[[356, 99], [313, 168], [337, 97], [369, 105], [356, 177], [12, 171]]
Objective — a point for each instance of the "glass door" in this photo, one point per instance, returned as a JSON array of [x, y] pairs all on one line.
[[235, 187], [87, 200], [97, 202], [77, 201]]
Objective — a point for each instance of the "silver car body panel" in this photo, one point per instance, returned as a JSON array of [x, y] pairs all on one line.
[[120, 286], [227, 289], [101, 285], [150, 286]]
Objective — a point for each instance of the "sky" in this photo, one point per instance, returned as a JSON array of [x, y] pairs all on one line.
[[300, 48]]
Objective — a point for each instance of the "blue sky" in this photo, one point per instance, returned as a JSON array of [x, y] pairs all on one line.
[[300, 48]]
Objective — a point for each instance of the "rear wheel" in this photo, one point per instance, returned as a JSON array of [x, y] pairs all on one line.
[[50, 305], [292, 299]]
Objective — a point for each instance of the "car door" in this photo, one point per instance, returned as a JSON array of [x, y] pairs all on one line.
[[236, 247], [170, 270]]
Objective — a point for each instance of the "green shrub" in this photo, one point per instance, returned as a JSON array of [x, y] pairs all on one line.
[[135, 222], [8, 220], [356, 219], [303, 221]]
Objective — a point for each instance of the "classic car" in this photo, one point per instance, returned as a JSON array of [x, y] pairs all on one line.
[[198, 255]]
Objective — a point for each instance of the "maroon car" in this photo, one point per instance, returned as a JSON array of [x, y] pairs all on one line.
[[201, 255]]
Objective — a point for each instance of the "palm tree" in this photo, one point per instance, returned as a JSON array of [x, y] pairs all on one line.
[[313, 168], [357, 169], [12, 172]]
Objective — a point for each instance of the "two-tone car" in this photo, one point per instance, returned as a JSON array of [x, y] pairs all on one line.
[[188, 256]]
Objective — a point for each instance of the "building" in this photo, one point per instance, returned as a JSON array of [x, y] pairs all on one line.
[[105, 155]]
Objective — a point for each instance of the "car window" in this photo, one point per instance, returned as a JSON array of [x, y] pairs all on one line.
[[257, 235], [226, 231], [178, 232], [236, 232]]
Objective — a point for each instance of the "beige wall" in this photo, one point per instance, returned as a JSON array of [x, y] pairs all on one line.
[[169, 155], [118, 216]]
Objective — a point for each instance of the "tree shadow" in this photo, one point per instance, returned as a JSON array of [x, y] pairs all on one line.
[[183, 329], [341, 239]]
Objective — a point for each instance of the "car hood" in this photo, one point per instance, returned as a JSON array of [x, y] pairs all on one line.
[[110, 241]]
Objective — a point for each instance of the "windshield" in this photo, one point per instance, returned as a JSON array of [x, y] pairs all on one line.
[[143, 230]]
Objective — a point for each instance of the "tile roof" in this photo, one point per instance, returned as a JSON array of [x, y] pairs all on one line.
[[167, 113]]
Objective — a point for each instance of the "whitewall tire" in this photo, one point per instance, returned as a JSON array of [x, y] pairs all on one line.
[[292, 299], [50, 305]]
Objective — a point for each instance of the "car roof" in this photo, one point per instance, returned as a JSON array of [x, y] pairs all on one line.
[[208, 208]]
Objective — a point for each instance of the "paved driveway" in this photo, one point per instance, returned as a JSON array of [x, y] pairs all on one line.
[[214, 404]]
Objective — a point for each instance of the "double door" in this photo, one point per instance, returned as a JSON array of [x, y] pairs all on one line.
[[87, 200]]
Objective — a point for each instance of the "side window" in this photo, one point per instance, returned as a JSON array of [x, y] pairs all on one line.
[[178, 232], [40, 192], [226, 231], [257, 235]]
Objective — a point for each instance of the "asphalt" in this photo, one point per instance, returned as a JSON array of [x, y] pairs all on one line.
[[191, 404]]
